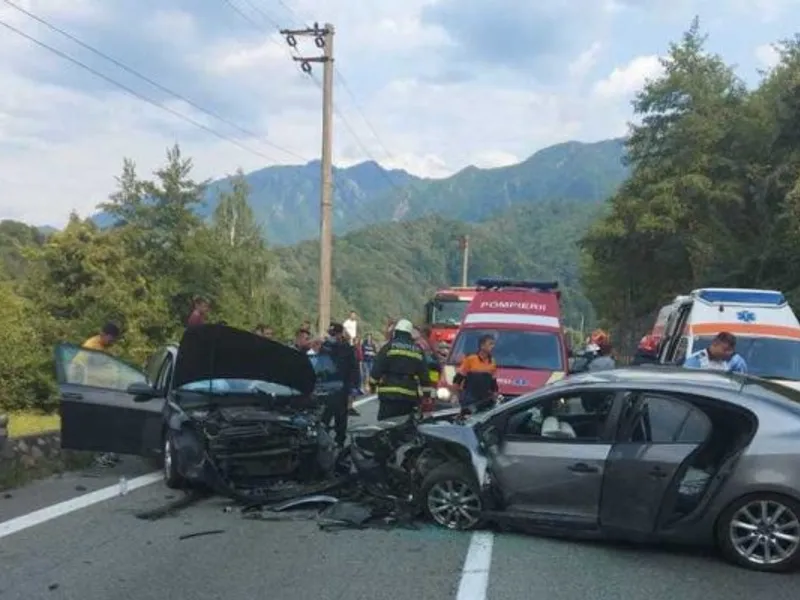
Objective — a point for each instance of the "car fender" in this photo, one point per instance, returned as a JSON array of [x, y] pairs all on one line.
[[459, 441]]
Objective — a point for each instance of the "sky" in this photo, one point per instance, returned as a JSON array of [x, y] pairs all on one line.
[[429, 86]]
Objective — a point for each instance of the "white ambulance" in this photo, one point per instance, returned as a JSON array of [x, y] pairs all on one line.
[[766, 329]]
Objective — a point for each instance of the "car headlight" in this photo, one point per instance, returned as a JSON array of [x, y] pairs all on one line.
[[443, 394]]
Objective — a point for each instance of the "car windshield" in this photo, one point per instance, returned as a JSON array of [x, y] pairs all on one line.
[[534, 350], [324, 368], [771, 358], [449, 312]]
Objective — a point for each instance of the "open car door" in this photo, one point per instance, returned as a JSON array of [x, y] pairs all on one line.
[[658, 437], [98, 414]]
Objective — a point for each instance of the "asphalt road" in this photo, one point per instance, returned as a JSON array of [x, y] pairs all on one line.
[[103, 551]]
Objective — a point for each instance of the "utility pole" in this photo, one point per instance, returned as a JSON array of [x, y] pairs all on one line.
[[323, 39], [464, 246]]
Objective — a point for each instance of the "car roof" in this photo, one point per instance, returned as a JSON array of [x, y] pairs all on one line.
[[667, 378], [742, 390]]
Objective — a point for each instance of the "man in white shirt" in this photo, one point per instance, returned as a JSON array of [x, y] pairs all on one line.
[[351, 326]]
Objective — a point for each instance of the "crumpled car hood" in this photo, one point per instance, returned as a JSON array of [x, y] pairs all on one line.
[[209, 352]]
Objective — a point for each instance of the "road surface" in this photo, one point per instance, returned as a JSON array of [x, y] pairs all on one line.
[[103, 551]]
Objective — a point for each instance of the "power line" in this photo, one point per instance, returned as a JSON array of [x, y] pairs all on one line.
[[134, 93], [155, 84], [372, 129]]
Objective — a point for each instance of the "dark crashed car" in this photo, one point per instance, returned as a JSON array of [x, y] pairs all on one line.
[[637, 454], [225, 407]]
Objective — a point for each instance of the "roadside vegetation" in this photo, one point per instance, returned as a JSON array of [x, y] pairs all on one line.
[[713, 199], [140, 273], [714, 194]]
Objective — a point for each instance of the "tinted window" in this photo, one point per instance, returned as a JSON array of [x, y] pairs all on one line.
[[695, 429], [659, 420], [94, 369], [771, 358], [513, 349]]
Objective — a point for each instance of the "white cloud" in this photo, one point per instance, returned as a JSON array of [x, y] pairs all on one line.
[[63, 133], [586, 60], [626, 80], [767, 56]]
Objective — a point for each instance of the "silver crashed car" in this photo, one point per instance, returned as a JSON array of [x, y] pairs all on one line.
[[641, 454]]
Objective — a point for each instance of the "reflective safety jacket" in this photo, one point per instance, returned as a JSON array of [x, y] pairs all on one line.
[[400, 370]]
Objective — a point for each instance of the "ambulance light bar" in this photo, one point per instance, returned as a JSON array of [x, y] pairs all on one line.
[[539, 286], [723, 296]]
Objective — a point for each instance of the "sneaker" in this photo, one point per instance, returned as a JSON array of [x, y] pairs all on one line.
[[353, 412]]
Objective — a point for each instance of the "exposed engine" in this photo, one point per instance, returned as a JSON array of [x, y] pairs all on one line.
[[251, 446]]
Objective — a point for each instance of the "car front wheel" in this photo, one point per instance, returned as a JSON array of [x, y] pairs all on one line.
[[451, 497], [172, 478], [761, 532]]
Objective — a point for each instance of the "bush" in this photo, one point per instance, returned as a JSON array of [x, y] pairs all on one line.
[[25, 363]]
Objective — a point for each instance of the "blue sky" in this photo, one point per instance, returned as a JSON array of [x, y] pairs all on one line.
[[444, 83]]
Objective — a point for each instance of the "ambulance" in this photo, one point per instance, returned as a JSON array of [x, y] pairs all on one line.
[[524, 317], [766, 329]]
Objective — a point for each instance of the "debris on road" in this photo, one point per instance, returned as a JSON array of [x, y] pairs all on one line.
[[188, 536], [172, 507]]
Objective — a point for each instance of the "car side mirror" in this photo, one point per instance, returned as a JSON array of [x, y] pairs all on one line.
[[490, 436], [142, 392]]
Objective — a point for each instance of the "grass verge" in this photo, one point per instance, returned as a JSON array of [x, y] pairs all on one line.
[[30, 423], [14, 474]]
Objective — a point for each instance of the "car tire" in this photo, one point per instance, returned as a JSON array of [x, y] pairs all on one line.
[[741, 525], [172, 478], [450, 496]]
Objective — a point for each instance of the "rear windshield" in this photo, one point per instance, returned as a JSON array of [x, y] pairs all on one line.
[[770, 358], [514, 349]]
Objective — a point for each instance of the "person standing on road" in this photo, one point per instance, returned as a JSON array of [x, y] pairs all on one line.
[[200, 309], [351, 326], [399, 373], [345, 359], [368, 353], [102, 342], [719, 356], [107, 337], [302, 340], [476, 378]]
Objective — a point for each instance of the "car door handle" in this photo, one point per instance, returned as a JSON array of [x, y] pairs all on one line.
[[658, 472], [72, 396], [582, 468]]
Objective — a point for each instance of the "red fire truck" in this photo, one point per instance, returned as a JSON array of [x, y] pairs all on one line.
[[443, 313]]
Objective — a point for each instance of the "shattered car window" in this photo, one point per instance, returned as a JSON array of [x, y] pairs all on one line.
[[238, 386]]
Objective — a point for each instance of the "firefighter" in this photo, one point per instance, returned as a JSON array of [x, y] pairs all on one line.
[[400, 374]]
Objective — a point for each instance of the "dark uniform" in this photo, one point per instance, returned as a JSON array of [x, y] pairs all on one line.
[[344, 357], [400, 370]]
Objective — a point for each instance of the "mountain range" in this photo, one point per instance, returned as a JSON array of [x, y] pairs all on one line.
[[396, 233], [286, 198]]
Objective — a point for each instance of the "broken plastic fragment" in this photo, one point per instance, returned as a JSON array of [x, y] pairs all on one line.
[[305, 500]]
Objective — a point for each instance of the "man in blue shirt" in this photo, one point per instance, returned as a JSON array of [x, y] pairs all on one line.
[[719, 356]]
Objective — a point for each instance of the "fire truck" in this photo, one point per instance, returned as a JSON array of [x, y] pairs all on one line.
[[444, 311]]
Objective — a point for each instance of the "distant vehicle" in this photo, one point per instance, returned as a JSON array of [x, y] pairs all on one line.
[[226, 407], [766, 329], [443, 313], [640, 453], [524, 317]]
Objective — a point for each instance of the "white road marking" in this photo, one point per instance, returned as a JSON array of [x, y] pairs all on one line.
[[54, 511], [475, 573], [364, 400]]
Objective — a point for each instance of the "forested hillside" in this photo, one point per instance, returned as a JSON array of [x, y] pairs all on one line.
[[714, 195], [391, 269]]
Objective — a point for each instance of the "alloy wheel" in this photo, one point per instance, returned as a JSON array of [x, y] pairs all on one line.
[[453, 504], [765, 532]]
